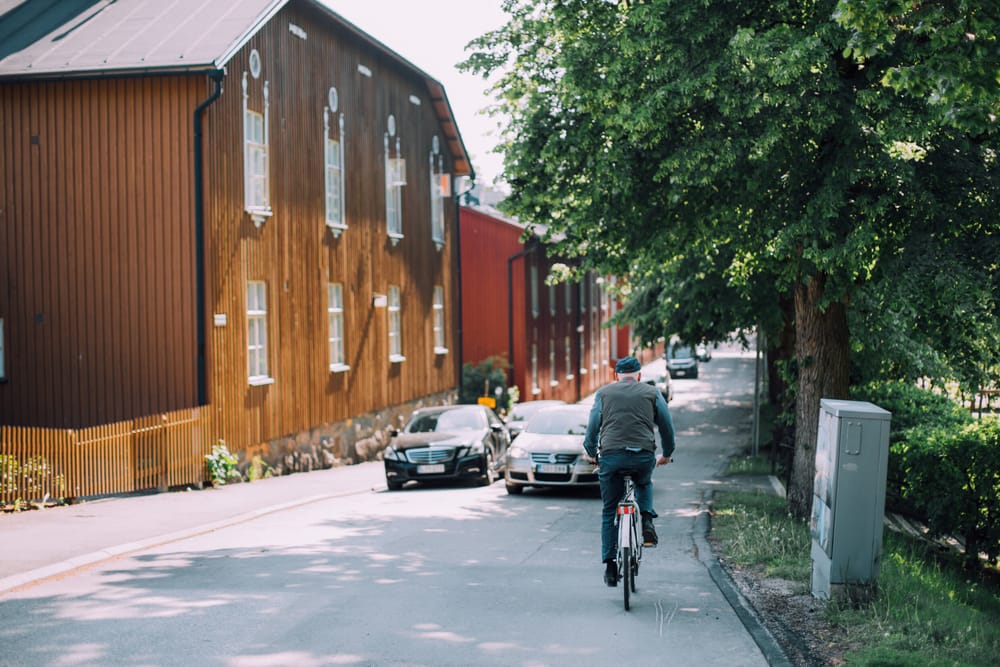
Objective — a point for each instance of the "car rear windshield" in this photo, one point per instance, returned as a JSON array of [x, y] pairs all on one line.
[[449, 420], [558, 422]]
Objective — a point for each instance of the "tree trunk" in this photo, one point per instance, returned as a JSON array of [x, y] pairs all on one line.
[[822, 349]]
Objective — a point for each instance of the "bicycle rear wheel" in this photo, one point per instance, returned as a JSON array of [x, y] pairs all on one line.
[[628, 580]]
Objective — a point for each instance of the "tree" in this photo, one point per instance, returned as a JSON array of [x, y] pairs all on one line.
[[942, 53], [733, 135]]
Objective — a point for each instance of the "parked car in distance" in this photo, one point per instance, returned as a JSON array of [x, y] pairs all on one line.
[[521, 411], [703, 352], [662, 382], [549, 451], [447, 443], [682, 361]]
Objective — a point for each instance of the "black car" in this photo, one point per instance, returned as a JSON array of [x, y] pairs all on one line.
[[447, 443], [682, 362]]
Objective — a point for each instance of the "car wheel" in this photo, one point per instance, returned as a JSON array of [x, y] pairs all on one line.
[[394, 486], [515, 489], [489, 474]]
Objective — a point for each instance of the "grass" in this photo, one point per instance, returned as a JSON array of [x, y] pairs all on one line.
[[928, 611]]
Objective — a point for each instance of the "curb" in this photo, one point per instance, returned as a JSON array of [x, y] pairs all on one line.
[[765, 641]]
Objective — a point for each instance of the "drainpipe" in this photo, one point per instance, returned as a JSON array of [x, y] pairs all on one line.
[[458, 243], [199, 233], [510, 308]]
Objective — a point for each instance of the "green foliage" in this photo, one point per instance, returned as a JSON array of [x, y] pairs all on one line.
[[720, 154], [912, 406], [482, 379], [28, 479], [928, 612], [757, 529], [942, 53], [952, 475], [222, 465], [258, 469]]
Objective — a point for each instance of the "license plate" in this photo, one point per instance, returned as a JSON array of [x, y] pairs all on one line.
[[430, 468], [553, 468]]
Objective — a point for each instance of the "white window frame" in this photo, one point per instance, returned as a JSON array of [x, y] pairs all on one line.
[[535, 389], [257, 367], [395, 315], [335, 322], [438, 320], [333, 170], [256, 159], [553, 376], [569, 358], [440, 187], [533, 275], [395, 179]]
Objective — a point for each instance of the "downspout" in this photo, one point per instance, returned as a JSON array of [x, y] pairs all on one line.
[[199, 232], [510, 308], [458, 242]]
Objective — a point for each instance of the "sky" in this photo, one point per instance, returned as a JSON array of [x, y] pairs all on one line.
[[432, 34]]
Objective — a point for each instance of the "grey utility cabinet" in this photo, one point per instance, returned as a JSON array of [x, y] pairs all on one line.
[[852, 453]]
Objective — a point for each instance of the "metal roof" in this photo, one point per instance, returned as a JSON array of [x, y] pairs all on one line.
[[42, 39]]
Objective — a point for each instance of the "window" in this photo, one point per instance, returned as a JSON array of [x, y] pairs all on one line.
[[3, 367], [395, 326], [535, 389], [552, 299], [534, 290], [439, 342], [334, 169], [256, 180], [583, 354], [335, 317], [395, 179], [257, 333], [553, 379], [569, 358], [569, 297], [440, 188]]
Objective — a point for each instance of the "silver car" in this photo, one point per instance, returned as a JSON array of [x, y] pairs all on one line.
[[549, 451]]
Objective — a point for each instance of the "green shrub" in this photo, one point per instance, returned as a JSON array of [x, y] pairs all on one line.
[[222, 464], [952, 475], [912, 406], [482, 379]]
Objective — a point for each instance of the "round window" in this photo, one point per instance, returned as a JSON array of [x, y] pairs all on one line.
[[255, 64], [392, 125], [332, 99]]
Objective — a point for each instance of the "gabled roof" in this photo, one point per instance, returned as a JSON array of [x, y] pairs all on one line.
[[58, 39]]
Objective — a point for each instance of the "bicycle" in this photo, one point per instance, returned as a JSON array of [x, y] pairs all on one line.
[[629, 539]]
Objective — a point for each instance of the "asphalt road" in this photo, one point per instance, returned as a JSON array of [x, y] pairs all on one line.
[[425, 576]]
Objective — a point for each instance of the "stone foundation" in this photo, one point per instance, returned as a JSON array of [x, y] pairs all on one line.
[[355, 440]]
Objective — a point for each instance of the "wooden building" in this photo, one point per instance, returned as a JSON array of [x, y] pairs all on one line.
[[553, 335], [240, 208]]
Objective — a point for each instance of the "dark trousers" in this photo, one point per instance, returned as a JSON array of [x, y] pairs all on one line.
[[613, 466]]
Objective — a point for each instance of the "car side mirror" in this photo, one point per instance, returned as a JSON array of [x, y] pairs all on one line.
[[393, 433]]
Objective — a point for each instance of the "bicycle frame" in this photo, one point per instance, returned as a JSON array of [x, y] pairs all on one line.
[[629, 543]]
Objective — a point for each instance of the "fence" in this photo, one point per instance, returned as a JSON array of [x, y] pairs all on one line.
[[158, 452]]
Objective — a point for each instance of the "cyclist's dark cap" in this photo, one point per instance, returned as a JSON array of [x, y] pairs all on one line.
[[628, 365]]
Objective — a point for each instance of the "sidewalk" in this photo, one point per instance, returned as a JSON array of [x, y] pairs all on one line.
[[40, 544]]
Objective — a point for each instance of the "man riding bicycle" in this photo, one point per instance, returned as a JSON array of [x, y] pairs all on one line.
[[622, 420]]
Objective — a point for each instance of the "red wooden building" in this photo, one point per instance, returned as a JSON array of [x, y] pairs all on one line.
[[238, 209], [552, 335]]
